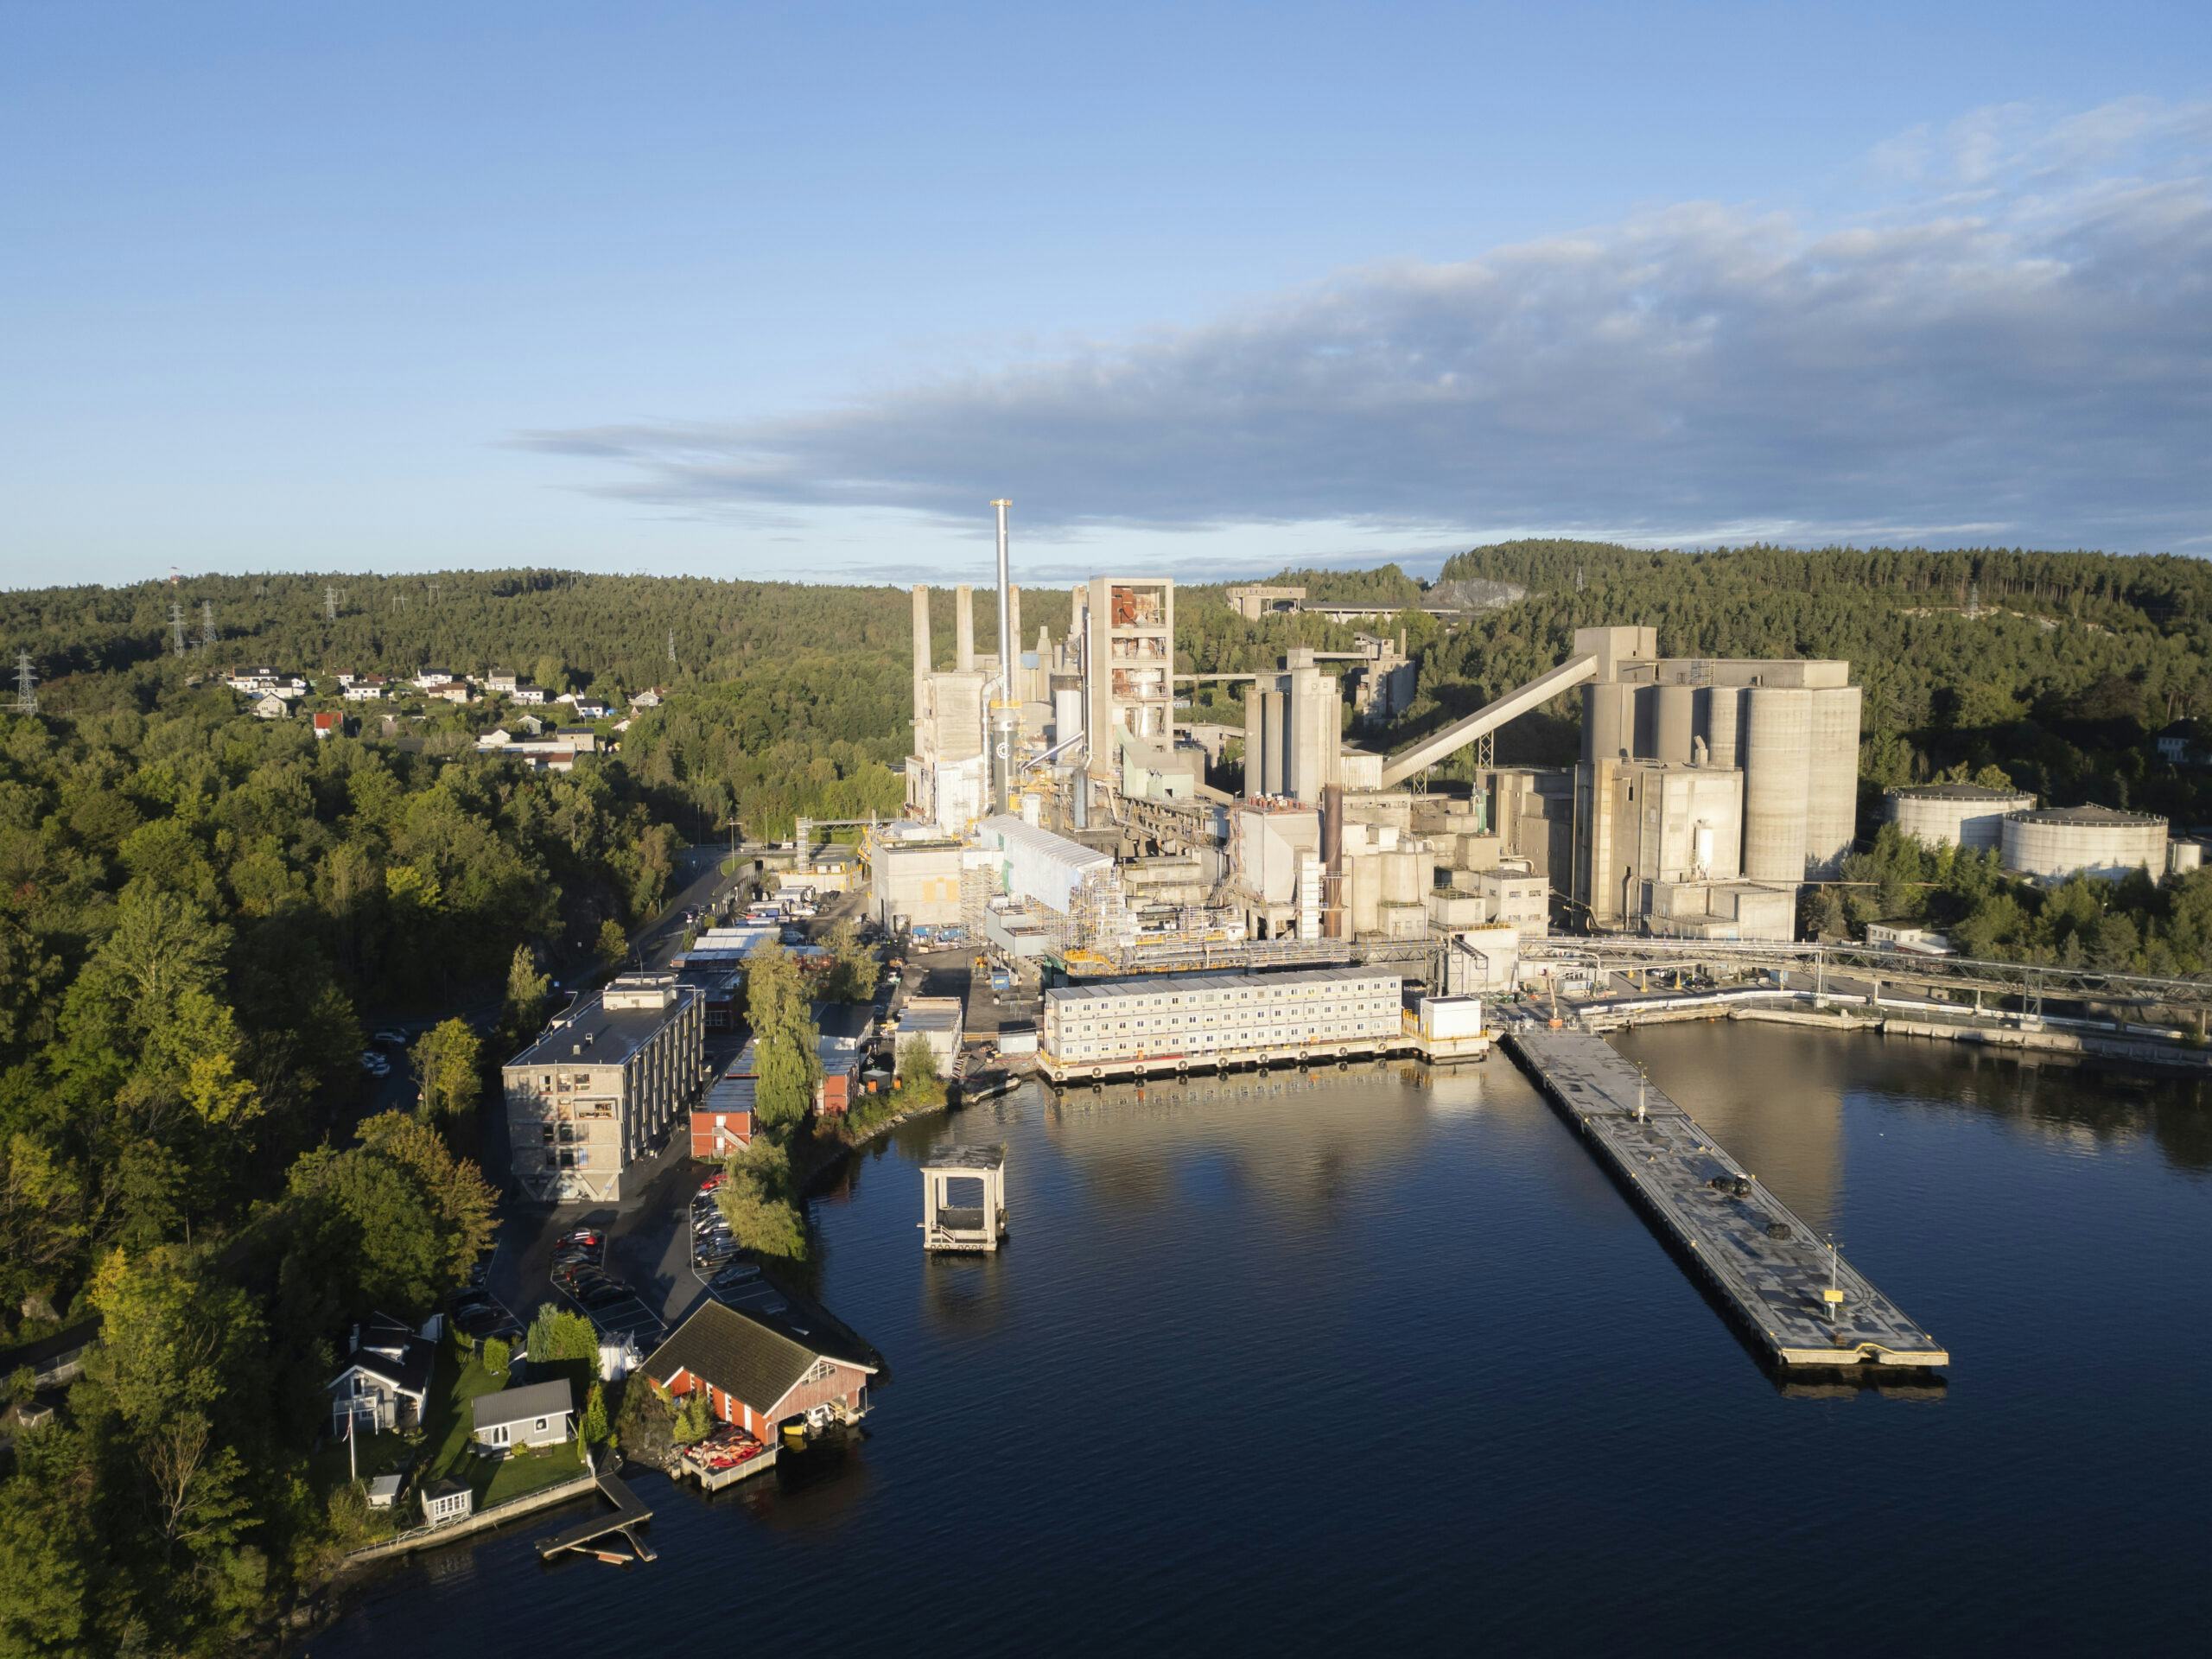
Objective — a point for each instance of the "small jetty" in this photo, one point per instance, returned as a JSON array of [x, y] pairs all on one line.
[[588, 1536], [1795, 1296]]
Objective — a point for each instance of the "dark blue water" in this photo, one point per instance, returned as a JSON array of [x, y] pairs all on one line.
[[1382, 1360]]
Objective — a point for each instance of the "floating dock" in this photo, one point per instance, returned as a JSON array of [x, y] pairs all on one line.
[[585, 1536], [1797, 1298]]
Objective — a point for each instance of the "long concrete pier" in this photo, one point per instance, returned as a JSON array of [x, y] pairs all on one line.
[[1796, 1298]]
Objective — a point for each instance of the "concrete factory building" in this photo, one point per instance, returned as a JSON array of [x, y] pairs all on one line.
[[589, 1096], [1969, 816], [2098, 842], [1210, 1019]]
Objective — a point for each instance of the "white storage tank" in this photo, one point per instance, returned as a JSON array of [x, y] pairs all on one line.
[[2101, 842], [2182, 857], [1832, 795], [1971, 815]]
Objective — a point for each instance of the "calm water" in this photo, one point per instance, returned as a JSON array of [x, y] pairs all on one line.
[[1384, 1360]]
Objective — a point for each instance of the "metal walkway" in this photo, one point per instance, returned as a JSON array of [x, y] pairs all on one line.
[[629, 1513]]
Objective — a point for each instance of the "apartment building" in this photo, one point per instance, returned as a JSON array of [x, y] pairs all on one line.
[[1207, 1020], [600, 1089]]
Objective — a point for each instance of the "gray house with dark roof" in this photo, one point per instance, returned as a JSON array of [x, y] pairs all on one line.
[[757, 1375], [538, 1414], [386, 1381]]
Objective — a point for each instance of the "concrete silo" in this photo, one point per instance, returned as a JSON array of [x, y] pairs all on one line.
[[1676, 722], [1970, 815], [1832, 796], [1774, 750], [2098, 841], [1718, 707], [1608, 721]]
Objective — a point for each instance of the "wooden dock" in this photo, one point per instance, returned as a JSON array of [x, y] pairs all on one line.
[[1798, 1300], [586, 1536]]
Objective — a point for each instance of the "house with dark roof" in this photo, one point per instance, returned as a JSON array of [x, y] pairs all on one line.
[[2184, 744], [538, 1414], [759, 1373], [386, 1381]]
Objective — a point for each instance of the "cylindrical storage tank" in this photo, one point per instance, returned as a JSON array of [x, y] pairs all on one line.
[[1608, 721], [2097, 841], [1832, 802], [1366, 884], [1717, 707], [1775, 750], [1067, 716], [1676, 722], [2182, 857], [1273, 714], [1967, 815], [1643, 734]]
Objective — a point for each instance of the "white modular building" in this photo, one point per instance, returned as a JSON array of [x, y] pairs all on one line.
[[1037, 867], [1211, 1019]]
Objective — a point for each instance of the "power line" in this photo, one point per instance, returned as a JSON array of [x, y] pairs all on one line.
[[26, 684]]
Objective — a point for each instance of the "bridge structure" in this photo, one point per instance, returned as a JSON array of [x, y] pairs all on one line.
[[2030, 983]]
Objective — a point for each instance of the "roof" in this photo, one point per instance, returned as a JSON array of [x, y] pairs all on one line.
[[1020, 832], [1961, 792], [2104, 816], [607, 1036], [743, 1354], [930, 1013], [1160, 984], [531, 1400], [388, 1350], [950, 1157]]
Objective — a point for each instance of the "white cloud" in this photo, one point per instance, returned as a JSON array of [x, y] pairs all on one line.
[[2020, 351]]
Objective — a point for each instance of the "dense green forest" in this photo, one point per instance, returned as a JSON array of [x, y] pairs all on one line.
[[200, 911]]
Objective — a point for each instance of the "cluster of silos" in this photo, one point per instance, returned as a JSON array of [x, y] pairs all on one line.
[[1968, 815], [2100, 842], [1797, 747]]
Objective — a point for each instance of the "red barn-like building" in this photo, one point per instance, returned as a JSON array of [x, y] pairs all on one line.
[[757, 1374]]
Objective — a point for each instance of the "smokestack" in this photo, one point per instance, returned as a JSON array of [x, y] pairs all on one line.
[[963, 628], [1333, 861], [921, 647], [1006, 715], [1010, 643]]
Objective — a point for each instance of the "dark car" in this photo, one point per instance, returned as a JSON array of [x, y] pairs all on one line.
[[738, 1272], [606, 1296]]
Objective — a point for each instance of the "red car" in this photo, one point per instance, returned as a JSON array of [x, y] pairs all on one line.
[[587, 1238], [714, 1180]]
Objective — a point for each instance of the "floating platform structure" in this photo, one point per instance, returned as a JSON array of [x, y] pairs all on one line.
[[586, 1536], [1797, 1298], [979, 1226]]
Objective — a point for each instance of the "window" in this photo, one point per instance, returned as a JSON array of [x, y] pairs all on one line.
[[541, 1425]]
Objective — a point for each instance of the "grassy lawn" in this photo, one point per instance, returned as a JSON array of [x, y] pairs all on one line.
[[446, 1438], [520, 1473], [377, 1455]]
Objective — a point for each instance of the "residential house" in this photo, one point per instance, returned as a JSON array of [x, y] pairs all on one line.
[[529, 694], [500, 685], [538, 1414], [581, 739], [529, 723], [328, 723], [495, 739], [446, 1499], [723, 1123], [451, 690], [344, 680], [650, 699], [844, 1029], [592, 708], [606, 1081], [2182, 744], [758, 1372], [386, 1381], [271, 705], [369, 688], [430, 676], [253, 679]]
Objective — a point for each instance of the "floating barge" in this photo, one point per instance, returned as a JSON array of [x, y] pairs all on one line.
[[1797, 1298]]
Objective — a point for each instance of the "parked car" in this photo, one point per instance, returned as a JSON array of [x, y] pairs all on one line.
[[391, 1037], [714, 1180], [590, 1236], [606, 1296]]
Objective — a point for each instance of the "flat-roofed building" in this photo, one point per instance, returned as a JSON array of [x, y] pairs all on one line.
[[1209, 1019], [592, 1096]]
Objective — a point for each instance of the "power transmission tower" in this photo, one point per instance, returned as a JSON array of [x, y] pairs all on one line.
[[671, 647], [330, 604], [206, 624], [176, 626], [26, 684]]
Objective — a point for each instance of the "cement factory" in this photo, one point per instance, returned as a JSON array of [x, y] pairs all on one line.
[[1058, 815]]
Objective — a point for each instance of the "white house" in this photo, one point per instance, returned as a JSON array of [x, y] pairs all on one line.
[[446, 1499], [496, 681], [386, 1381], [532, 694], [270, 706], [494, 739], [538, 1414], [650, 699], [451, 690], [592, 708], [364, 691], [430, 676]]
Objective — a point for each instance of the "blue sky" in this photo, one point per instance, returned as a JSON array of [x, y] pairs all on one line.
[[794, 290]]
